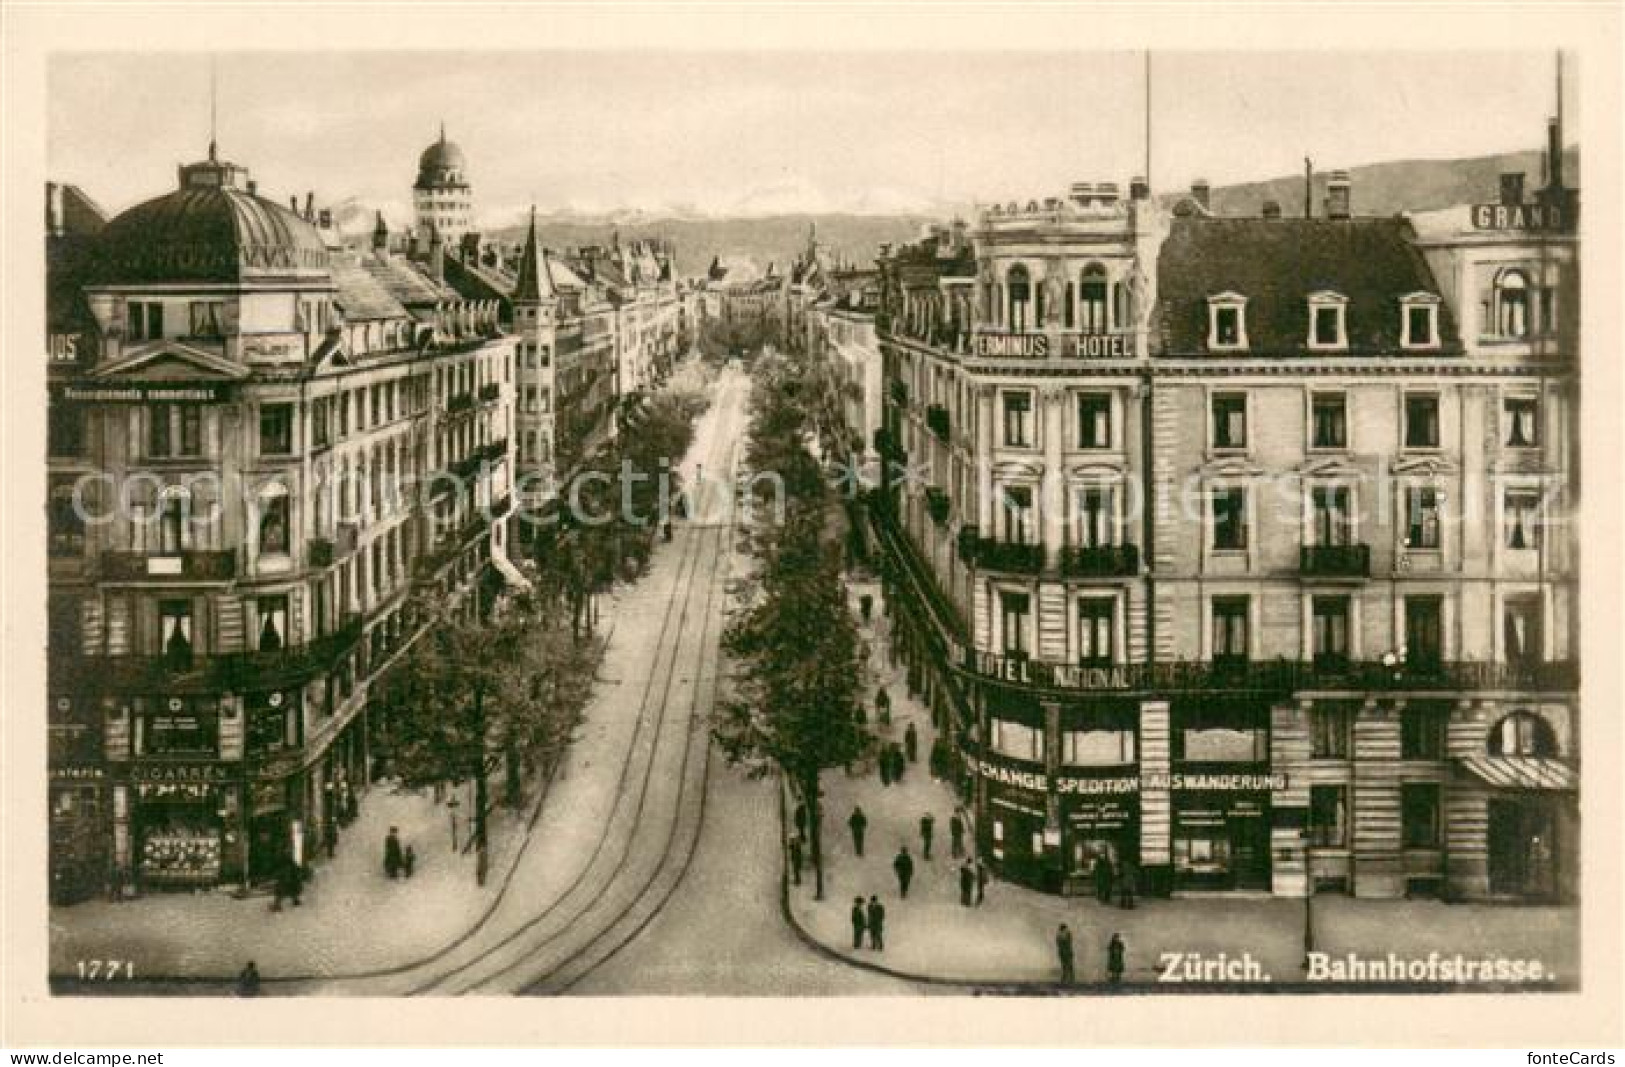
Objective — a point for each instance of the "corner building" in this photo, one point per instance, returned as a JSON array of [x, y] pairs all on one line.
[[1242, 549]]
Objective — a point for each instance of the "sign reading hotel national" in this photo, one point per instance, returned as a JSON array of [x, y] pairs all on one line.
[[1034, 672]]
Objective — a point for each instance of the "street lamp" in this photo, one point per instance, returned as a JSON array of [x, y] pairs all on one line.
[[1308, 903]]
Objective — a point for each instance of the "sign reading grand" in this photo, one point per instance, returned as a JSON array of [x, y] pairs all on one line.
[[1519, 217]]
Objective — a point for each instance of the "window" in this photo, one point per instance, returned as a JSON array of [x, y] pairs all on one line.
[[65, 522], [206, 316], [1419, 814], [175, 631], [1521, 428], [1420, 326], [1424, 631], [1422, 517], [1328, 816], [1520, 514], [174, 430], [1422, 422], [1331, 523], [1229, 420], [1097, 748], [1096, 621], [1511, 308], [1094, 420], [1422, 731], [146, 320], [1019, 288], [1018, 514], [1013, 611], [1230, 629], [344, 415], [276, 429], [1018, 419], [1229, 519], [1331, 725], [1227, 324], [1520, 630], [173, 507], [274, 523], [1326, 323], [321, 410], [1523, 733], [1329, 421], [273, 623], [1095, 518], [1330, 616], [66, 430], [1017, 740], [1092, 299]]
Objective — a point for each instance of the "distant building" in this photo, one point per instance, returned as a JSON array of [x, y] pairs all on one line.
[[441, 195]]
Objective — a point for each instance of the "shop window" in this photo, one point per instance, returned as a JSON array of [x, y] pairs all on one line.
[[1014, 609], [1422, 731], [1424, 631], [1520, 517], [1097, 617], [1229, 519], [176, 726], [1018, 419], [1422, 421], [1329, 421], [1230, 623], [1523, 733], [175, 631], [273, 622], [1097, 748], [1018, 740], [1331, 729], [1095, 518], [276, 429], [1331, 524], [1419, 814], [1521, 631], [1094, 420], [1330, 616], [1422, 517], [1017, 501], [1519, 414], [1229, 420], [1328, 816], [66, 430]]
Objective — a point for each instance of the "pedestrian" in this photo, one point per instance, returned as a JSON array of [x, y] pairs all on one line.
[[939, 759], [967, 883], [795, 858], [1063, 951], [286, 884], [883, 764], [392, 853], [866, 606], [859, 922], [897, 762], [981, 882], [904, 866], [858, 823], [801, 820], [956, 834], [876, 921], [1115, 953], [860, 716], [1103, 878], [409, 860], [1127, 874], [883, 704], [248, 981], [911, 743], [928, 823], [351, 808]]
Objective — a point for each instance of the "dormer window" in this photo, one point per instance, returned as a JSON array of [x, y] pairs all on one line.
[[1328, 321], [1227, 322], [1419, 321]]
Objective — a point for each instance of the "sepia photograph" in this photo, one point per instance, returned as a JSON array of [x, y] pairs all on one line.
[[1091, 523]]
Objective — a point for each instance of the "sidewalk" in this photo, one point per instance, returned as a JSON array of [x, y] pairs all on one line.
[[1010, 938], [352, 918]]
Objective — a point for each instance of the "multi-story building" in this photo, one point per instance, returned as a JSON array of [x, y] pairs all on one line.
[[441, 195], [1239, 549], [260, 443]]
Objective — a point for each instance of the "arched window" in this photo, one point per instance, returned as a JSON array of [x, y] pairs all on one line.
[[1020, 290], [1512, 304], [274, 517], [1092, 299], [174, 511], [1523, 733]]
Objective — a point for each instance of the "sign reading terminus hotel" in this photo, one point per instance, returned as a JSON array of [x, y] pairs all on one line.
[[1039, 346]]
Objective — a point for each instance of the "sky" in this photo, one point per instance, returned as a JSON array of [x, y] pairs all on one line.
[[739, 134]]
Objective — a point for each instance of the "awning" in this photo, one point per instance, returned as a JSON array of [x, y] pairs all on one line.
[[1522, 772]]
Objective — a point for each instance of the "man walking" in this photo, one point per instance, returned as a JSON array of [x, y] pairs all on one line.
[[1103, 878], [904, 866], [1125, 884], [883, 706], [956, 834], [897, 762], [795, 859], [883, 764], [1063, 951], [859, 922], [876, 921], [392, 853], [928, 824], [1114, 960], [911, 743], [801, 820], [967, 883], [981, 883], [248, 981], [858, 823]]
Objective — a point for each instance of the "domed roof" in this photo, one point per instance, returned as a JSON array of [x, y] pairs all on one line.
[[442, 163], [205, 232]]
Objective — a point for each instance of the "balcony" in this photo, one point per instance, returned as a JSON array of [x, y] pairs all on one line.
[[1015, 557], [459, 403], [490, 392], [227, 671], [187, 566], [1335, 561], [1100, 561], [936, 419]]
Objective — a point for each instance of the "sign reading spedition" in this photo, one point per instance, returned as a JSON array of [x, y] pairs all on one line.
[[1075, 785]]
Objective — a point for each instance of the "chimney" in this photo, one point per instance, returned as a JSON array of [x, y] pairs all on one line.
[[1554, 153], [1272, 209], [1081, 193], [53, 209], [1512, 189], [1139, 188], [253, 187], [1337, 195], [325, 219], [293, 203], [1202, 193], [310, 207]]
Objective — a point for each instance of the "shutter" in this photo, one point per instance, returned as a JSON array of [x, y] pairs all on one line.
[[228, 615], [119, 638]]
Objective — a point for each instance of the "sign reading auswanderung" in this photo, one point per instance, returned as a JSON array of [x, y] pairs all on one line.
[[1075, 785]]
